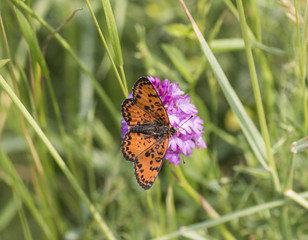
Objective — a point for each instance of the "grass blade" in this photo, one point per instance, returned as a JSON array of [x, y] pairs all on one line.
[[123, 86], [3, 62], [113, 32], [258, 99], [101, 223], [32, 41], [14, 179], [100, 91], [232, 216], [252, 134]]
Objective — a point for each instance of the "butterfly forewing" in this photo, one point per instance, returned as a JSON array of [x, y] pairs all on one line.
[[135, 143], [134, 115], [149, 162], [146, 97]]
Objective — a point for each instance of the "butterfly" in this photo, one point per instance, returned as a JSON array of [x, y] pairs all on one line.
[[149, 130]]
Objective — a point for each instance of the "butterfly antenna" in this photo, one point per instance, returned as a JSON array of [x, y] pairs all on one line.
[[191, 116]]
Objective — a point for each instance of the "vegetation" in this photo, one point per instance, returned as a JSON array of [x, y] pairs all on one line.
[[66, 67]]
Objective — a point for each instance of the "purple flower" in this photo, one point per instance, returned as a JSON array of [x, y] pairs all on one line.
[[182, 116]]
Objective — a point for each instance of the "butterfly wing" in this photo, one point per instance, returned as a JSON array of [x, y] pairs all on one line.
[[147, 150], [146, 98], [149, 162], [134, 115], [135, 143]]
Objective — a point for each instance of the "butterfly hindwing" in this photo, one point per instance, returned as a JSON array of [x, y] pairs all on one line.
[[135, 143], [149, 162], [146, 97]]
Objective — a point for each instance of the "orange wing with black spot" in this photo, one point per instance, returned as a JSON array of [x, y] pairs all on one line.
[[134, 115], [147, 139], [147, 99], [135, 143], [149, 162]]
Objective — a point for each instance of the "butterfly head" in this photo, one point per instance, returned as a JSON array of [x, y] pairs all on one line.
[[173, 131]]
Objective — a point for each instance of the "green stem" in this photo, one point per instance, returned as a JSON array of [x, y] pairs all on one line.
[[23, 218], [101, 223], [125, 92], [100, 91], [152, 211], [250, 131], [257, 94], [289, 182], [296, 198], [202, 201], [304, 72], [14, 180], [124, 79], [231, 217], [285, 223]]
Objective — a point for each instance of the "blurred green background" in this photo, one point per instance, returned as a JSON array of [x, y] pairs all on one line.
[[67, 82]]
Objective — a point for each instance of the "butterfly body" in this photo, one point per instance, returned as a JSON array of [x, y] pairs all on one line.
[[149, 130], [152, 129]]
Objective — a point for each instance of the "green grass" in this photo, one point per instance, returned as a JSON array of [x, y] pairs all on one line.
[[64, 75]]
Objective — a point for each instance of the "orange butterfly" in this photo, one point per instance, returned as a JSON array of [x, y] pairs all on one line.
[[149, 130]]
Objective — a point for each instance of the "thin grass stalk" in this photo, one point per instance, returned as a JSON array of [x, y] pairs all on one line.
[[46, 196], [115, 40], [296, 198], [152, 212], [251, 133], [264, 65], [160, 210], [100, 91], [113, 32], [89, 157], [231, 217], [124, 90], [45, 191], [267, 76], [301, 65], [257, 94], [9, 207], [19, 188], [23, 219], [214, 97], [101, 223], [12, 74], [39, 168], [289, 182], [304, 42], [285, 223], [61, 127], [8, 54], [257, 21], [123, 78], [298, 38], [203, 203], [170, 210]]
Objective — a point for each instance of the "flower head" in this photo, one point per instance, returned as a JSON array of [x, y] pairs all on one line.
[[182, 116]]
